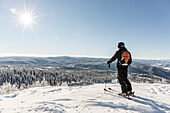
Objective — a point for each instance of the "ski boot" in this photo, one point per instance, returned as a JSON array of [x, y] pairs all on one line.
[[130, 93], [123, 94]]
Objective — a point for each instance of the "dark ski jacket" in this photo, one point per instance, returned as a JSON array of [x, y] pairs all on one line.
[[118, 56]]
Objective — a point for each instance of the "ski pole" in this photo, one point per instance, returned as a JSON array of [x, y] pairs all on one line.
[[107, 75], [108, 65]]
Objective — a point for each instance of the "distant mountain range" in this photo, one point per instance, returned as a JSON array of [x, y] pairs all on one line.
[[150, 67], [157, 63]]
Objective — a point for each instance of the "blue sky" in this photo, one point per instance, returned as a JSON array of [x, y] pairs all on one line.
[[87, 28]]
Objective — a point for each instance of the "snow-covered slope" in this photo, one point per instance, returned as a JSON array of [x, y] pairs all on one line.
[[150, 98]]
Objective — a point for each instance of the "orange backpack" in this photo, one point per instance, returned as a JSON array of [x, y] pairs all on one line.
[[125, 58]]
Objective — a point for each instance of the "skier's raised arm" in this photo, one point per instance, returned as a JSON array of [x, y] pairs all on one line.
[[114, 57]]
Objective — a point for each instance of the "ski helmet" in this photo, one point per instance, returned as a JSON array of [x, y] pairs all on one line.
[[121, 44]]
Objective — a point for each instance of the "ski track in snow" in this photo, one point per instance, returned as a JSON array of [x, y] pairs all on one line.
[[149, 98]]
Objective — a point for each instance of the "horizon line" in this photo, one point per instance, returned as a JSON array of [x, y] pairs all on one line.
[[42, 55]]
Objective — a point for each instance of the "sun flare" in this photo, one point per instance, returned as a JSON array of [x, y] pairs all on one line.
[[25, 18]]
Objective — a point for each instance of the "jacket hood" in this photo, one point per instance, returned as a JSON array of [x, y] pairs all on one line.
[[123, 48]]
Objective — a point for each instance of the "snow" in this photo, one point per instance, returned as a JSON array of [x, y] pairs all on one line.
[[168, 68], [150, 98]]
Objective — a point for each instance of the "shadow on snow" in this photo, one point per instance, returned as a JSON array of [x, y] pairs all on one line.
[[155, 108]]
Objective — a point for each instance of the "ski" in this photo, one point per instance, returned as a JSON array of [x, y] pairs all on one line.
[[112, 91], [107, 90], [118, 91], [127, 97]]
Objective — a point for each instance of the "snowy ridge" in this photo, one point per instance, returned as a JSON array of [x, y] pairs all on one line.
[[152, 98]]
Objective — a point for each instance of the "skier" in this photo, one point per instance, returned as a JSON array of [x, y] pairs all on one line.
[[124, 59]]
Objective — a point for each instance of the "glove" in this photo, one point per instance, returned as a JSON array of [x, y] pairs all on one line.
[[108, 62]]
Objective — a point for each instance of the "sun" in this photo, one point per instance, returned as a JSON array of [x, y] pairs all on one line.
[[26, 19]]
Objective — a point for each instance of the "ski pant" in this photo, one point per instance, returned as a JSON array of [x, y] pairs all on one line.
[[122, 74]]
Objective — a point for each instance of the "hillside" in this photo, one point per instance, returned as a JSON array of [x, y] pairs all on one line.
[[139, 68]]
